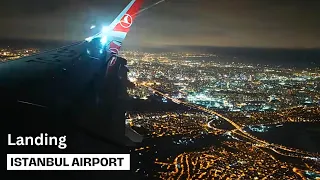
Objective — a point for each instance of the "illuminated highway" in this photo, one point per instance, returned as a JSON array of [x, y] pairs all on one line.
[[273, 147]]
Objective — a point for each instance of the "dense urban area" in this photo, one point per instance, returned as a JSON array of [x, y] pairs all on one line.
[[9, 53], [229, 104], [223, 119]]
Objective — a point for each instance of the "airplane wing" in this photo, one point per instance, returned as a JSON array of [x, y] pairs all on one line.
[[67, 68], [52, 83]]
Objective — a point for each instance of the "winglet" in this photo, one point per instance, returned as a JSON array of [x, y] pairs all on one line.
[[125, 19], [115, 33], [119, 28]]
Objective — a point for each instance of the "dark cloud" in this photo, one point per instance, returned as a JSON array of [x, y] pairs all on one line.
[[18, 8], [256, 23]]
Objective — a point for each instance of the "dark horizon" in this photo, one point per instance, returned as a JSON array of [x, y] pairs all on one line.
[[36, 42], [281, 57]]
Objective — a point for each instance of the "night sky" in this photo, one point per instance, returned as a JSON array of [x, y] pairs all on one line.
[[236, 23]]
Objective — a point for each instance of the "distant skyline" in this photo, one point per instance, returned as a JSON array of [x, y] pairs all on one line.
[[227, 23]]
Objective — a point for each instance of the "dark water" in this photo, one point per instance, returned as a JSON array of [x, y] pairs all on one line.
[[302, 58], [304, 136], [299, 58]]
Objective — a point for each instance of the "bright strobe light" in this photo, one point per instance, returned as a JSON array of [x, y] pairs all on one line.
[[103, 40], [104, 32], [105, 29]]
